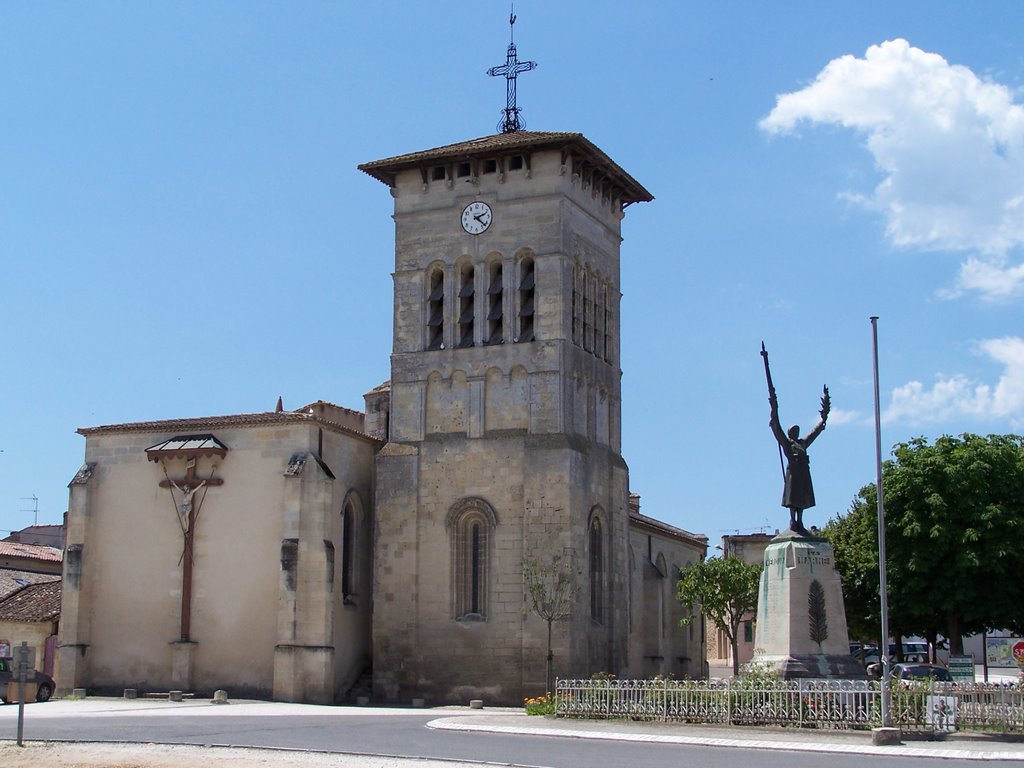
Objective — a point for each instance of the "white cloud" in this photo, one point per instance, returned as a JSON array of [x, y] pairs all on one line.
[[950, 147], [956, 397], [838, 416], [994, 279]]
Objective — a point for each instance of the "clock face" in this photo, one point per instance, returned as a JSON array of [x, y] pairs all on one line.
[[476, 217]]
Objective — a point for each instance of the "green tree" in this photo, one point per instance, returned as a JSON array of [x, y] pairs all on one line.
[[854, 537], [550, 593], [725, 589], [954, 538]]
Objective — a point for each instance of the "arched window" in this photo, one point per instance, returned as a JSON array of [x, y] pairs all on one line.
[[607, 322], [577, 306], [596, 571], [495, 305], [467, 292], [588, 311], [471, 524], [435, 309], [527, 288], [347, 549]]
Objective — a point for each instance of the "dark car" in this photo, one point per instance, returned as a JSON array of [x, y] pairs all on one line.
[[910, 672], [8, 677]]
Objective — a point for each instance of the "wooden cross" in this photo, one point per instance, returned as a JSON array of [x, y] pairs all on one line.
[[187, 513]]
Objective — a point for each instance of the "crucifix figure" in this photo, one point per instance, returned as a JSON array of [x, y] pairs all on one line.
[[188, 511], [510, 121]]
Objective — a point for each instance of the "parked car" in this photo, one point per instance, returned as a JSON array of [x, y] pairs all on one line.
[[8, 676], [864, 653], [909, 672], [912, 652]]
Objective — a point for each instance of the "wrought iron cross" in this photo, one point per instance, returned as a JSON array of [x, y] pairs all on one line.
[[510, 70]]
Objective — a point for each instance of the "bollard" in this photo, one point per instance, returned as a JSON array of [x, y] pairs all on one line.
[[131, 693], [174, 696], [78, 693], [476, 703], [886, 737], [220, 697]]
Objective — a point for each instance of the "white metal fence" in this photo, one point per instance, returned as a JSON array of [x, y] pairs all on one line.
[[800, 703]]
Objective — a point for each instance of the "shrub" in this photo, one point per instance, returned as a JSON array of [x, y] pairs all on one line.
[[541, 705]]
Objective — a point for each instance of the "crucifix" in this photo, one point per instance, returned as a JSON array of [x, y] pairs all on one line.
[[511, 69], [188, 512]]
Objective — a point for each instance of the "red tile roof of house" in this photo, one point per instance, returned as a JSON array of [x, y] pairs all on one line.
[[36, 602], [11, 580], [31, 552]]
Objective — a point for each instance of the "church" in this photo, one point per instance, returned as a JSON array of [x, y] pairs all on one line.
[[310, 554]]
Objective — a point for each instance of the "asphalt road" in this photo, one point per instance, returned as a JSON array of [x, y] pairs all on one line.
[[407, 735]]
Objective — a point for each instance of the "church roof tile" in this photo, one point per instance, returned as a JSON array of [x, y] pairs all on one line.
[[643, 521], [507, 143], [221, 422]]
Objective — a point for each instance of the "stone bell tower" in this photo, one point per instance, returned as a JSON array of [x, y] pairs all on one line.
[[504, 416]]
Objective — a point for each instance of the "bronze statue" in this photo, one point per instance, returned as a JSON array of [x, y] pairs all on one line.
[[798, 493]]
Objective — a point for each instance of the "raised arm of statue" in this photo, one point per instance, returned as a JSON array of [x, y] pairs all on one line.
[[776, 426], [826, 406]]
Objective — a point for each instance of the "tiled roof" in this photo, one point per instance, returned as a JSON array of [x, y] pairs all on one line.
[[31, 552], [36, 602], [666, 529], [329, 404], [507, 143], [209, 423], [485, 144], [12, 580]]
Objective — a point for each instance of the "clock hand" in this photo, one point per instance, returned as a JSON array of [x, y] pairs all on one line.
[[479, 216]]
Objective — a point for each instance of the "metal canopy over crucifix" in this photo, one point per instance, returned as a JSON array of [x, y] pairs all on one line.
[[190, 448], [511, 69]]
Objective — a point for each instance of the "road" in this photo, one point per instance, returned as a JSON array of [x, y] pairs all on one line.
[[405, 733]]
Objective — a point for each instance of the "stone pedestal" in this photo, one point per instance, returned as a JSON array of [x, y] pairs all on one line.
[[801, 622]]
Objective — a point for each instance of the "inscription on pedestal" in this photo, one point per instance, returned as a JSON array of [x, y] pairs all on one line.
[[801, 621]]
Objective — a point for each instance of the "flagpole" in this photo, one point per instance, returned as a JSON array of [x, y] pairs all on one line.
[[883, 588]]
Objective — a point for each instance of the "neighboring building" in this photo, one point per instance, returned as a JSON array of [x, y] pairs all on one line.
[[45, 535], [30, 557], [750, 549], [278, 554], [32, 615]]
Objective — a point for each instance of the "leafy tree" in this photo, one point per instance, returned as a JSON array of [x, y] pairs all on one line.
[[725, 590], [954, 538], [550, 591], [854, 537]]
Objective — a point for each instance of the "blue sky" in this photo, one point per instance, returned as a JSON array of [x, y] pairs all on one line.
[[184, 232]]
